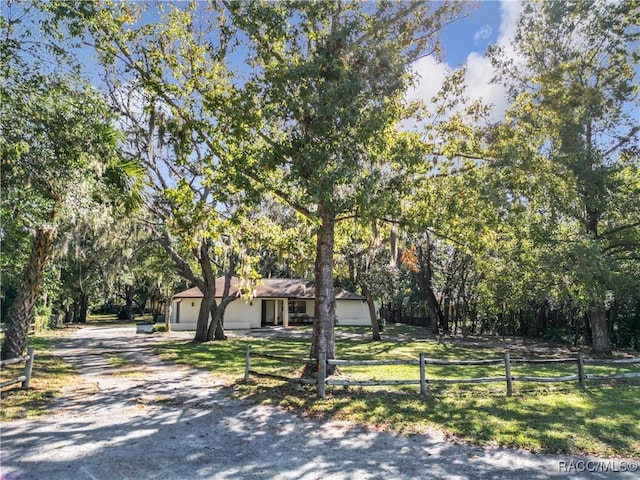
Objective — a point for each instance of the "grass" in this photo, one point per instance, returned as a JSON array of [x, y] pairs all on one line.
[[112, 320], [603, 419], [126, 368], [118, 361], [50, 375]]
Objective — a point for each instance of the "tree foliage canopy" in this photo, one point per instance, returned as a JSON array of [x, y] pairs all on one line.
[[243, 133]]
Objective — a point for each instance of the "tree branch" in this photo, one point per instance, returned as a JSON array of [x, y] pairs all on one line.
[[185, 270], [619, 229]]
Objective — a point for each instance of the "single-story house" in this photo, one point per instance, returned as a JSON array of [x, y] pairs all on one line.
[[276, 301]]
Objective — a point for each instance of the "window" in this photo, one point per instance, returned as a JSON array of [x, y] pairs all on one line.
[[297, 306]]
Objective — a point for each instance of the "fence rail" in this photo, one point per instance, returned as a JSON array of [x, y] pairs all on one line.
[[423, 362], [25, 378], [248, 370]]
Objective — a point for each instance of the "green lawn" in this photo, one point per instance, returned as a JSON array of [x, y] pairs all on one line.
[[603, 419], [111, 320], [50, 375]]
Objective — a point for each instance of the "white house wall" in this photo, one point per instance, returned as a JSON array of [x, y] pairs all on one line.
[[352, 312], [241, 315], [311, 305], [189, 308]]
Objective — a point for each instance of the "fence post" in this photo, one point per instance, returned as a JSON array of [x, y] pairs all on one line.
[[423, 376], [581, 370], [247, 364], [507, 369], [322, 373], [28, 367]]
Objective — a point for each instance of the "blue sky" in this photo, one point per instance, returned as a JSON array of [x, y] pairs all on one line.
[[465, 42], [472, 34]]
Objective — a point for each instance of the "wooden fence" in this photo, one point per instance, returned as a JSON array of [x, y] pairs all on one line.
[[301, 361], [25, 378], [322, 381]]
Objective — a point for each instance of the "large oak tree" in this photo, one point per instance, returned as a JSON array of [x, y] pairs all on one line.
[[330, 79], [57, 132], [570, 146]]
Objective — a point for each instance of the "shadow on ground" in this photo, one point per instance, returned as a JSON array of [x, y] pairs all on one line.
[[172, 422]]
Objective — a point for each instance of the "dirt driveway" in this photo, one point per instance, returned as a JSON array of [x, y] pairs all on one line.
[[173, 422]]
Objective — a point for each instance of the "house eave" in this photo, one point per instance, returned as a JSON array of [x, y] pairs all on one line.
[[291, 289]]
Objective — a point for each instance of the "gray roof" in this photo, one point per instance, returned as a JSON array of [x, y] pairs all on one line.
[[292, 288]]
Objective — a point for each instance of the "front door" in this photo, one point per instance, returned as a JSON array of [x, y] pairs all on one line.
[[268, 307]]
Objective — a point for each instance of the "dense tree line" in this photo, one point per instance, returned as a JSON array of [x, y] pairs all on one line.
[[255, 138]]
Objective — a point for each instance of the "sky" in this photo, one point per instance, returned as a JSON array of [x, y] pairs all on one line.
[[473, 33], [465, 42]]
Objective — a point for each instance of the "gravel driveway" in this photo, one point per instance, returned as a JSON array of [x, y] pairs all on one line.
[[173, 422]]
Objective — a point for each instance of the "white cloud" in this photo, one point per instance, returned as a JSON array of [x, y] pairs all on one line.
[[484, 33], [479, 86], [431, 74], [511, 11], [479, 69]]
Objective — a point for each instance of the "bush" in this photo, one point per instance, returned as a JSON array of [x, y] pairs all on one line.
[[158, 328]]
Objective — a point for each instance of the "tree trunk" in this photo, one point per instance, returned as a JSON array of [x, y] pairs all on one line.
[[167, 314], [204, 314], [423, 276], [423, 279], [325, 306], [128, 307], [84, 308], [435, 312], [143, 305], [601, 345], [216, 327], [215, 320], [76, 311], [372, 311], [208, 288], [22, 310], [126, 311], [68, 314], [219, 333]]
